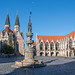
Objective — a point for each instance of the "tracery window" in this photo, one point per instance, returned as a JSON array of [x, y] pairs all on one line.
[[70, 43], [57, 46], [41, 46], [46, 46], [52, 46]]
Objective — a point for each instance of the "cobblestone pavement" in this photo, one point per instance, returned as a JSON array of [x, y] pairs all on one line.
[[55, 66]]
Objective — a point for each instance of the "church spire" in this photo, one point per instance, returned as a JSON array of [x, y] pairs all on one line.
[[7, 20], [29, 23], [17, 25], [17, 20], [7, 23]]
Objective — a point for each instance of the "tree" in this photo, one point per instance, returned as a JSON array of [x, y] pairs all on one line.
[[7, 48]]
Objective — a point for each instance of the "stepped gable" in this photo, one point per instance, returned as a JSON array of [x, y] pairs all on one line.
[[55, 38]]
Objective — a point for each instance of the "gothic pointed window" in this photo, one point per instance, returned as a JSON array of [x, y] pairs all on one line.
[[46, 46], [70, 43], [52, 46], [41, 46], [57, 46]]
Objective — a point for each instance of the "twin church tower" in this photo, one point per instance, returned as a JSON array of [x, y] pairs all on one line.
[[17, 25], [15, 35]]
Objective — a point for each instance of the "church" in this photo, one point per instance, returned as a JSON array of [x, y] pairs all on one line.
[[16, 36], [55, 45]]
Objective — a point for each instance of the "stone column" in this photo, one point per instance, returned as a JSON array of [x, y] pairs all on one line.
[[68, 53], [68, 48], [44, 50], [54, 50], [65, 50], [49, 50]]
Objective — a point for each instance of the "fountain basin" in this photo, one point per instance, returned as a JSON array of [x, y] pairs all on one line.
[[29, 63]]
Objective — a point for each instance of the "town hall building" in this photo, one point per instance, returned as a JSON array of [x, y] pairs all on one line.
[[55, 45]]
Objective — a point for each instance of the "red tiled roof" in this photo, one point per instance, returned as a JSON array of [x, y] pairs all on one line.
[[8, 30], [71, 34], [50, 38], [13, 31], [55, 38], [21, 34]]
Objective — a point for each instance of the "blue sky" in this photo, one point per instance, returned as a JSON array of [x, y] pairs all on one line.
[[49, 17]]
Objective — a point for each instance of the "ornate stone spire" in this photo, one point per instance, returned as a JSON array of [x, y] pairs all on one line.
[[29, 23], [7, 20], [17, 24], [17, 20], [29, 60], [29, 41]]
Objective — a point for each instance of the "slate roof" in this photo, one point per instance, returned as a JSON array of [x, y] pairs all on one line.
[[7, 20], [17, 20]]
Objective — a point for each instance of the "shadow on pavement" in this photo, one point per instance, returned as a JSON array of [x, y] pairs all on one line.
[[62, 69], [51, 61]]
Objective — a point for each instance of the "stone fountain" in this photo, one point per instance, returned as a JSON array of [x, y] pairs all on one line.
[[29, 60]]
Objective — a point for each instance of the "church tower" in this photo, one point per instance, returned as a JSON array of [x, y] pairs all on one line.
[[7, 23], [17, 25]]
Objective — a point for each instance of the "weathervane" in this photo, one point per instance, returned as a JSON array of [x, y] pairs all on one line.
[[30, 12]]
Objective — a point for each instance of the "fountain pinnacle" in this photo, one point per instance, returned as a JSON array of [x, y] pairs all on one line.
[[29, 60]]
